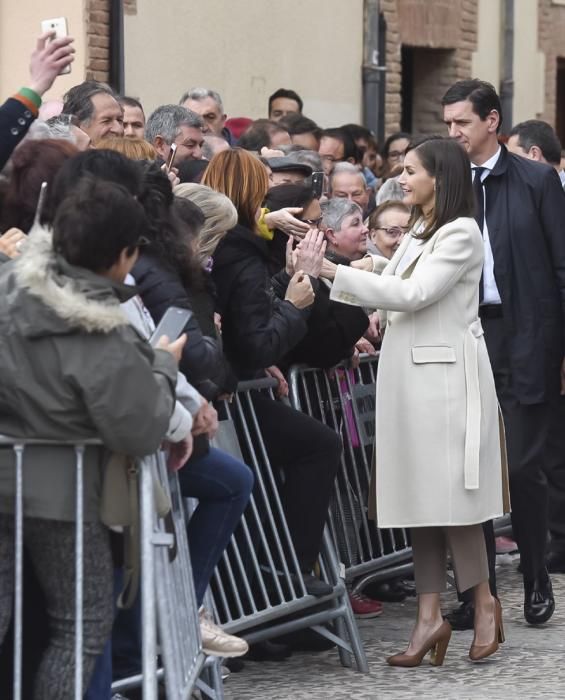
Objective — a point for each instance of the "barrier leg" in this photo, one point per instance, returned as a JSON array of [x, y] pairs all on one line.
[[79, 566], [18, 573], [148, 603]]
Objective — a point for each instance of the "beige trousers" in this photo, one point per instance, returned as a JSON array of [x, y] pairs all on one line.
[[466, 544]]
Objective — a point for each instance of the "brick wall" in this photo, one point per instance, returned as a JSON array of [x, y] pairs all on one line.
[[551, 31], [98, 40], [443, 34]]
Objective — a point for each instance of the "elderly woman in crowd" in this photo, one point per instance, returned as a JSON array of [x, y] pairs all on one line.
[[387, 226]]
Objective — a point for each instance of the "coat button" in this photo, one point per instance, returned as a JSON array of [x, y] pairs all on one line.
[[14, 131], [21, 121], [27, 114]]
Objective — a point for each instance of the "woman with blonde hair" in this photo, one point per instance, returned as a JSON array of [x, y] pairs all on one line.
[[220, 216]]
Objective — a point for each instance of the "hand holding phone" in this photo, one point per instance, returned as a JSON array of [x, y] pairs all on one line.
[[171, 324], [171, 157], [318, 184], [59, 27]]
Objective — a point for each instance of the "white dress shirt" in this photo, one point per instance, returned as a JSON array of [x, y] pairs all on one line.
[[490, 290]]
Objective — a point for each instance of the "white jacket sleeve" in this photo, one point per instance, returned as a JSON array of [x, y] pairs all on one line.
[[188, 399], [457, 247]]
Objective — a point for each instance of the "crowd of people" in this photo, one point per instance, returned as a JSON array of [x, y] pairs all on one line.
[[288, 243]]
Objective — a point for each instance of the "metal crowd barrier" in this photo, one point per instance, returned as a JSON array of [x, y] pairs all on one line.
[[344, 399], [167, 590], [258, 591]]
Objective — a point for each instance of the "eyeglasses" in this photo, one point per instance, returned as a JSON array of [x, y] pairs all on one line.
[[313, 222], [393, 231]]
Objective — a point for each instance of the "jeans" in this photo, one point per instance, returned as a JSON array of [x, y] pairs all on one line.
[[222, 485]]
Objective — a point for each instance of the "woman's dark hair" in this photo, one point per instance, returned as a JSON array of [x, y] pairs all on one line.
[[289, 195], [351, 150], [393, 137], [192, 170], [169, 241], [110, 166], [446, 161], [33, 163], [95, 222], [481, 95]]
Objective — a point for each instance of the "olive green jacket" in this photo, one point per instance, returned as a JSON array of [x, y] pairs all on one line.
[[72, 367]]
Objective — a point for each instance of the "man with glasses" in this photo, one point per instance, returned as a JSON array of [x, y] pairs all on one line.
[[337, 145]]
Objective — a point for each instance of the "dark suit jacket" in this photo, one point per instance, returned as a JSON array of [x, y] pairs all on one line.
[[15, 120], [525, 214]]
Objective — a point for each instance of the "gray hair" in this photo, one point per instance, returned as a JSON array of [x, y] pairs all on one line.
[[311, 158], [347, 168], [334, 211], [54, 128], [213, 144], [167, 120], [219, 212], [390, 190], [200, 93], [78, 100]]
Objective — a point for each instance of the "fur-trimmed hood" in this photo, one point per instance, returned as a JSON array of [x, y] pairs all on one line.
[[76, 298]]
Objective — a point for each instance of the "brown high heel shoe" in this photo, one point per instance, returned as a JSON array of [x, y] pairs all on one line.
[[476, 653], [436, 643]]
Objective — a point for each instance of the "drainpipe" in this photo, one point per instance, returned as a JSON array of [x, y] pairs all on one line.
[[507, 80], [373, 69], [117, 80]]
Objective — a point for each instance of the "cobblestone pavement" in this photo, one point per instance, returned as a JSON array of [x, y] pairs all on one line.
[[531, 664]]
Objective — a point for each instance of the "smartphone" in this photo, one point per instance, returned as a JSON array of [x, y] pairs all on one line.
[[171, 158], [318, 184], [172, 324], [59, 26]]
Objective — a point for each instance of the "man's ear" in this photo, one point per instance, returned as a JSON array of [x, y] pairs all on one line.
[[162, 147], [535, 154]]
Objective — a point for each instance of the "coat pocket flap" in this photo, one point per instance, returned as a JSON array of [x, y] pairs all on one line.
[[422, 354]]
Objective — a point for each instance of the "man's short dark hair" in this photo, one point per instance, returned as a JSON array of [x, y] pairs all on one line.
[[350, 148], [358, 132], [259, 134], [299, 124], [99, 163], [480, 94], [130, 102], [535, 132], [95, 222], [289, 95], [78, 100]]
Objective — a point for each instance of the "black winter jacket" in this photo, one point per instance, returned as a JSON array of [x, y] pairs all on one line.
[[15, 120], [333, 328], [258, 329], [203, 362]]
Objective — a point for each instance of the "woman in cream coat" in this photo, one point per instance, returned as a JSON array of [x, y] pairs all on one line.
[[439, 445]]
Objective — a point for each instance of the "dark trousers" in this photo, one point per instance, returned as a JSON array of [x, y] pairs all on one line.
[[555, 472], [308, 454], [527, 431]]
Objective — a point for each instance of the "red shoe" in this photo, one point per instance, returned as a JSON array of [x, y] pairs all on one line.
[[504, 545], [364, 607]]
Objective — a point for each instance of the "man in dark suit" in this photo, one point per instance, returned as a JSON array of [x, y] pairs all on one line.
[[521, 212]]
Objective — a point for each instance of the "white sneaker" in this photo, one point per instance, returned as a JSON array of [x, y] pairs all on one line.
[[216, 642]]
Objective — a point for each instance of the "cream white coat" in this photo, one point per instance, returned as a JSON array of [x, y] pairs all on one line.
[[440, 454]]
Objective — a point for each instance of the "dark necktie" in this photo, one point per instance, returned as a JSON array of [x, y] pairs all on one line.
[[479, 198], [479, 213]]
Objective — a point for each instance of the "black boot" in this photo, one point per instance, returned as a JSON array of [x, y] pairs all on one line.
[[463, 617], [539, 603]]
